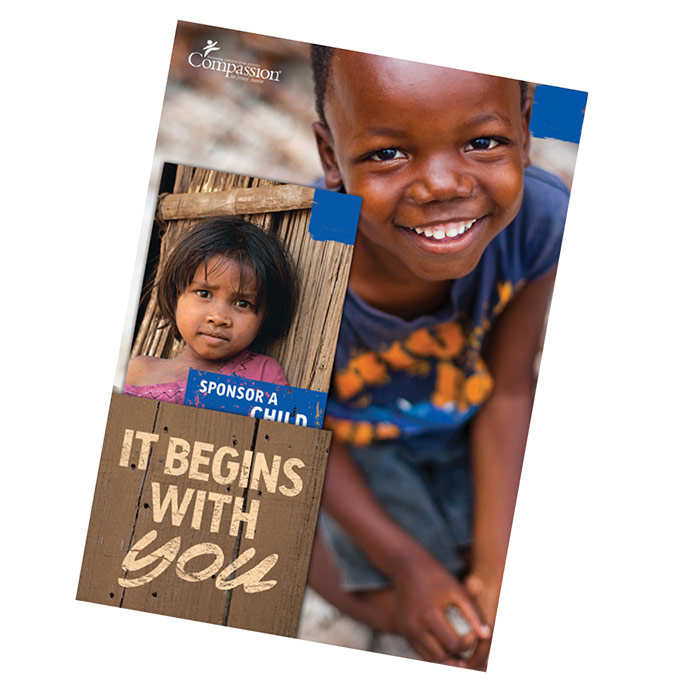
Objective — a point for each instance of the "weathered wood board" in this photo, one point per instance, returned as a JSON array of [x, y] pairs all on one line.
[[215, 488]]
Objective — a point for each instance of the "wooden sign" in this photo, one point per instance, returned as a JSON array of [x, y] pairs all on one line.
[[203, 515]]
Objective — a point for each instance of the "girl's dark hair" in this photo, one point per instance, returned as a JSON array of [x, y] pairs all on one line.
[[256, 251], [320, 57]]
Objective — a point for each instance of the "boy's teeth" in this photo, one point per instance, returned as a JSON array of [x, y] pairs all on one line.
[[451, 229]]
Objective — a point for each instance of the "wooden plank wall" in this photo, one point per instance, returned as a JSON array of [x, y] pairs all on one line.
[[322, 267]]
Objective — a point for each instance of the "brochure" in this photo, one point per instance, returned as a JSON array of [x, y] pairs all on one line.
[[454, 186]]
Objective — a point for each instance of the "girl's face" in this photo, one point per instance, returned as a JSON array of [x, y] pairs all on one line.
[[217, 315]]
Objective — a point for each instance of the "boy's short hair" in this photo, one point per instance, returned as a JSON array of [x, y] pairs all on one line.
[[256, 251], [320, 57]]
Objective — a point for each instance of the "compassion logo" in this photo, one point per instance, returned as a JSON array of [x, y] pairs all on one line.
[[236, 70]]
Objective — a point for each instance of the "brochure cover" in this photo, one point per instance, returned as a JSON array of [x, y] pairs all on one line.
[[213, 458], [464, 182]]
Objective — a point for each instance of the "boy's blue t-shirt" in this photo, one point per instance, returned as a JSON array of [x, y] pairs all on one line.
[[396, 378]]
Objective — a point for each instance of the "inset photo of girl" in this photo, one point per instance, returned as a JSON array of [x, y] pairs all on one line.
[[243, 290]]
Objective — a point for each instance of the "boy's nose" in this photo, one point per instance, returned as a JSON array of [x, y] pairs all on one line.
[[441, 179]]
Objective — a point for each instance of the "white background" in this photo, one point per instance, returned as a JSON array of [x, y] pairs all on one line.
[[598, 592]]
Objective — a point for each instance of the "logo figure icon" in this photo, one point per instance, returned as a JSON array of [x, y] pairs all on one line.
[[210, 47]]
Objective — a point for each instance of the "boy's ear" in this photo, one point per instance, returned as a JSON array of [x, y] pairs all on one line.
[[526, 119], [327, 156]]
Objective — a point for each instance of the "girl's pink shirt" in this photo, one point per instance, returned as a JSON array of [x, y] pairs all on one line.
[[247, 364]]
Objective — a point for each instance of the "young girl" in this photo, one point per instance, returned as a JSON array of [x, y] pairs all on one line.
[[228, 290]]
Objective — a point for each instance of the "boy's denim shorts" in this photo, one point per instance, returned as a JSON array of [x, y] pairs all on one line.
[[425, 486]]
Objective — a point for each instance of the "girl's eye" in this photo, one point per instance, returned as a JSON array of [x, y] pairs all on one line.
[[482, 144], [386, 155], [205, 294], [244, 304]]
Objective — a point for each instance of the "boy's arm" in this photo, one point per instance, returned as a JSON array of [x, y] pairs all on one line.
[[423, 587], [499, 435]]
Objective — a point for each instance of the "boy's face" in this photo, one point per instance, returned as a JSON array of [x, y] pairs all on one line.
[[436, 154]]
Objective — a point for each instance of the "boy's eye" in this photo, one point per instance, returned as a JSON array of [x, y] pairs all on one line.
[[386, 155], [482, 144]]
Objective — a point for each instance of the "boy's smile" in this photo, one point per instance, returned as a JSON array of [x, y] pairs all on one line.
[[217, 315], [437, 156]]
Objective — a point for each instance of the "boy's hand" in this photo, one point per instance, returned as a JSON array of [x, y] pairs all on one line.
[[424, 591], [423, 588], [485, 595]]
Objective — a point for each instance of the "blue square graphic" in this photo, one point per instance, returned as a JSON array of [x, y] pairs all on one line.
[[558, 113], [334, 216]]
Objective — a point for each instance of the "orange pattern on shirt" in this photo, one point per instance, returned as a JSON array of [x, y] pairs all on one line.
[[462, 379]]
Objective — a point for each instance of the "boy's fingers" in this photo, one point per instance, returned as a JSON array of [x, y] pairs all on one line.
[[429, 648], [443, 630], [481, 630], [468, 641], [480, 656], [455, 662]]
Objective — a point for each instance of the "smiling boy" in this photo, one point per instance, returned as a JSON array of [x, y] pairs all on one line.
[[433, 383]]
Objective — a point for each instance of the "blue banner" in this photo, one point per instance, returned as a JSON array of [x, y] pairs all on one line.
[[251, 397]]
